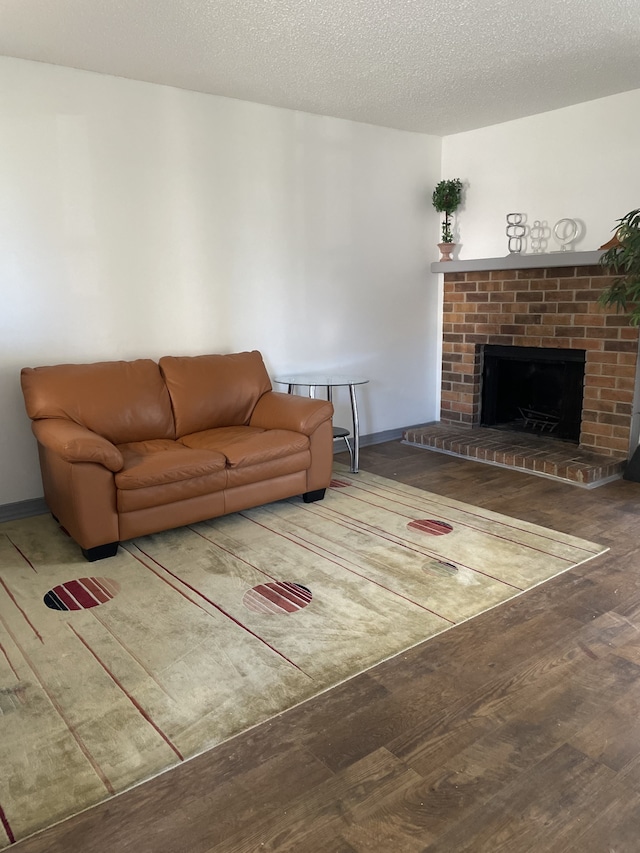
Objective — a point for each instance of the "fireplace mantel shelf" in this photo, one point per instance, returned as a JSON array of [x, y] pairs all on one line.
[[520, 262]]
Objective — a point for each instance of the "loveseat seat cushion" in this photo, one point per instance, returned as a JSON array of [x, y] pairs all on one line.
[[161, 472], [155, 463], [243, 446], [122, 401], [209, 391]]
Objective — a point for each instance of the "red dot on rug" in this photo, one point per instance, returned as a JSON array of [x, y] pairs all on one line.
[[429, 525], [440, 569], [81, 594], [277, 597], [339, 484]]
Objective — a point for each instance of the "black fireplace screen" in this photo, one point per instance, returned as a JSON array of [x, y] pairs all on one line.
[[533, 389]]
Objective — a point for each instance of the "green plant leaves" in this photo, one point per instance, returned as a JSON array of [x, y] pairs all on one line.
[[624, 261], [447, 196]]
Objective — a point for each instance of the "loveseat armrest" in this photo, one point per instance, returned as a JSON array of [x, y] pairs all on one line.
[[277, 410], [75, 443]]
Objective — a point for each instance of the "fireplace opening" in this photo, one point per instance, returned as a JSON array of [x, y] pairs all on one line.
[[533, 389]]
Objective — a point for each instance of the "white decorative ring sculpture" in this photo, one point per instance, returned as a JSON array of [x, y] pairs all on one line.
[[566, 231], [515, 231]]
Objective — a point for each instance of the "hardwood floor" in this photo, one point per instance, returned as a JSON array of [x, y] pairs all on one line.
[[516, 731]]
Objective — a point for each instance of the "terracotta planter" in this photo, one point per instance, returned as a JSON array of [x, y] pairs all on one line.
[[446, 251]]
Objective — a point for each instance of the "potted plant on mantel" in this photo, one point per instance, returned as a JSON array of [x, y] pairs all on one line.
[[622, 257], [446, 199]]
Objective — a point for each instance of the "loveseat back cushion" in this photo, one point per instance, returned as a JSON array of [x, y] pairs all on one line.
[[120, 400], [209, 391]]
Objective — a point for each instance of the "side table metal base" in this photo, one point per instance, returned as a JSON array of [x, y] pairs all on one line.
[[341, 432]]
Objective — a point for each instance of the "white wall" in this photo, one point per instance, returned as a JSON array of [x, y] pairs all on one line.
[[579, 162], [139, 220]]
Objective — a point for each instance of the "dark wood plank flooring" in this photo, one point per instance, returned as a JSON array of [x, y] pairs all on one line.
[[516, 731]]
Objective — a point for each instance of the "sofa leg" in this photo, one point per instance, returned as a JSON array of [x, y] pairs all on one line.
[[100, 552], [311, 497]]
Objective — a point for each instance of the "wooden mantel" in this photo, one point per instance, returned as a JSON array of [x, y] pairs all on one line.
[[519, 261]]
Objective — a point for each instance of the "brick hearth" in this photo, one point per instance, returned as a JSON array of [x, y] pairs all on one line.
[[542, 307], [535, 454]]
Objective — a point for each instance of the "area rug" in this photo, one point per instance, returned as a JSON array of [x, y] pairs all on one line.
[[112, 672]]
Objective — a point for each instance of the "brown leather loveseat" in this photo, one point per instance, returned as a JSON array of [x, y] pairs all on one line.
[[134, 447]]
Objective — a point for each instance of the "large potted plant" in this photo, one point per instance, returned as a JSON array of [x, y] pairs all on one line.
[[446, 199], [622, 257]]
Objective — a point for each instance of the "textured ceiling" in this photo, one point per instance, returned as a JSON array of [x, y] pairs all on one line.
[[437, 66]]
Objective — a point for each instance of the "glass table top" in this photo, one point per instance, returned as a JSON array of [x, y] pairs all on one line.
[[320, 379]]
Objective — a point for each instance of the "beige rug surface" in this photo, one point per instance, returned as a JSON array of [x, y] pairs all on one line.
[[114, 671]]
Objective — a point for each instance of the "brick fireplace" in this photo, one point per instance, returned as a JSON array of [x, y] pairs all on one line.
[[552, 306]]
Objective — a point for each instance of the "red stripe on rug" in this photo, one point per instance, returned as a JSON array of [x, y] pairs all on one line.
[[111, 587], [81, 745], [81, 594], [131, 654], [252, 600], [96, 590], [23, 555], [6, 825], [167, 582], [231, 553], [291, 592], [429, 525], [129, 696], [13, 669], [66, 598], [280, 599], [222, 610], [301, 591], [24, 615]]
